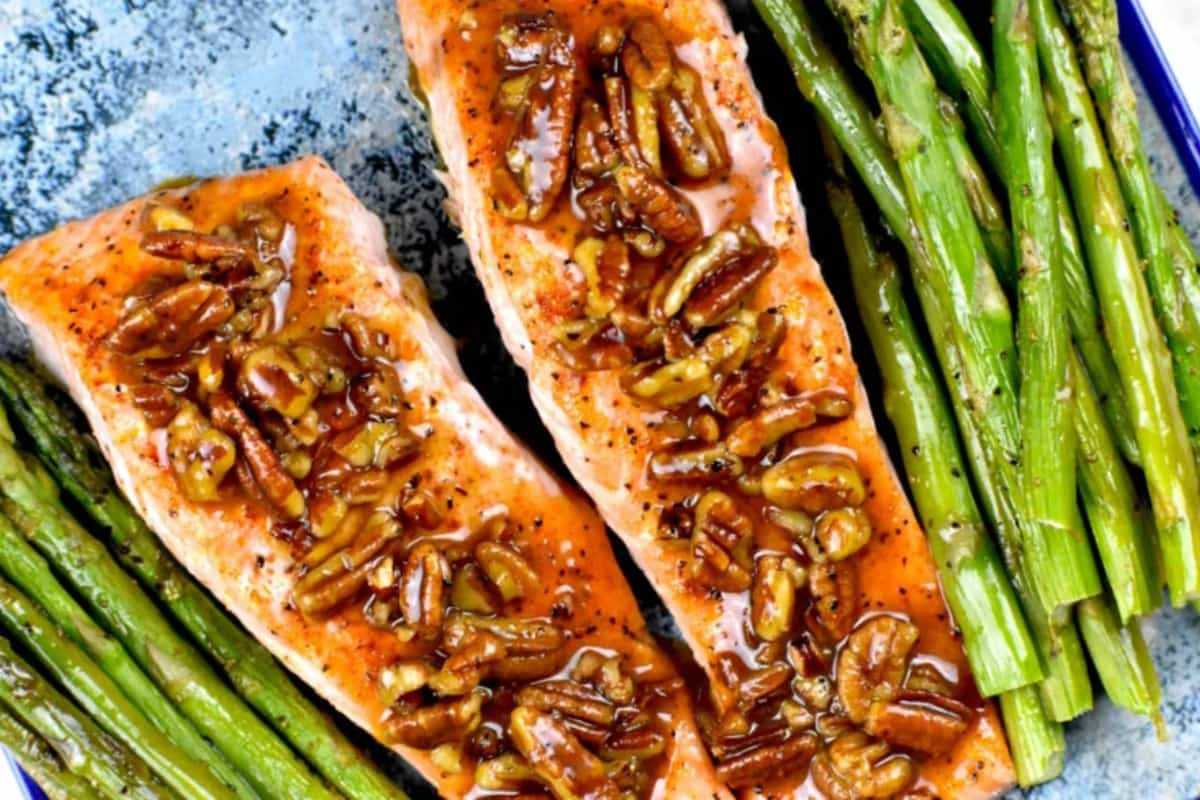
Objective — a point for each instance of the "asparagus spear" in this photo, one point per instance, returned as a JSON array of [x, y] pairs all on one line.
[[22, 565], [96, 693], [1048, 441], [1176, 293], [85, 749], [1038, 745], [1066, 689], [180, 671], [986, 207], [1112, 506], [255, 674], [1121, 658], [985, 608], [39, 760], [962, 69], [1139, 349]]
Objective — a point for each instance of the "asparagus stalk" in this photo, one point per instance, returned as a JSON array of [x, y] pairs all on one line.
[[1112, 506], [96, 693], [962, 69], [22, 565], [821, 78], [1048, 441], [1176, 293], [39, 760], [85, 749], [253, 671], [1121, 658], [1038, 745], [986, 207], [123, 608], [1139, 349], [978, 324], [996, 640]]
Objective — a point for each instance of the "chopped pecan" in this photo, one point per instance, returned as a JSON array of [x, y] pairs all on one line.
[[605, 265], [590, 346], [559, 758], [772, 598], [706, 258], [694, 139], [270, 377], [671, 384], [922, 721], [722, 535], [690, 463], [470, 591], [569, 699], [172, 321], [722, 290], [344, 572], [834, 590], [814, 481], [764, 763], [595, 149], [646, 55], [264, 463], [200, 454], [752, 435], [200, 248], [539, 152], [856, 766], [842, 532], [663, 210], [156, 402], [445, 722], [507, 570], [423, 589], [871, 665]]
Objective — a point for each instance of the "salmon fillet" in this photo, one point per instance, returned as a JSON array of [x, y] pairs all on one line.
[[462, 473], [534, 110]]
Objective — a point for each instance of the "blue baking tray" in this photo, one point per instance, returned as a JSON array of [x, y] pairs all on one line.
[[1162, 86]]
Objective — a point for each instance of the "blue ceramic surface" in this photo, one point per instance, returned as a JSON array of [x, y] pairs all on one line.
[[99, 101]]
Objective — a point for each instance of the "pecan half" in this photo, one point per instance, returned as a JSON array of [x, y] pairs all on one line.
[[763, 763], [662, 209], [440, 723], [693, 137], [539, 151], [264, 463], [646, 55], [200, 248], [928, 723], [814, 481], [559, 758], [871, 665], [172, 321]]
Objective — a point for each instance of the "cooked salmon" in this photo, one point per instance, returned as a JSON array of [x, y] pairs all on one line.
[[278, 402], [631, 214]]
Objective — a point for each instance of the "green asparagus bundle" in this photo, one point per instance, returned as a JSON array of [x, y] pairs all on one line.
[[1139, 348], [38, 759], [256, 675], [22, 565], [998, 646], [32, 503], [1176, 291], [1105, 484], [961, 67], [86, 750], [96, 693]]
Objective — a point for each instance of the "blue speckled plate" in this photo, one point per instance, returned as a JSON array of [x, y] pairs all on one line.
[[100, 105]]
